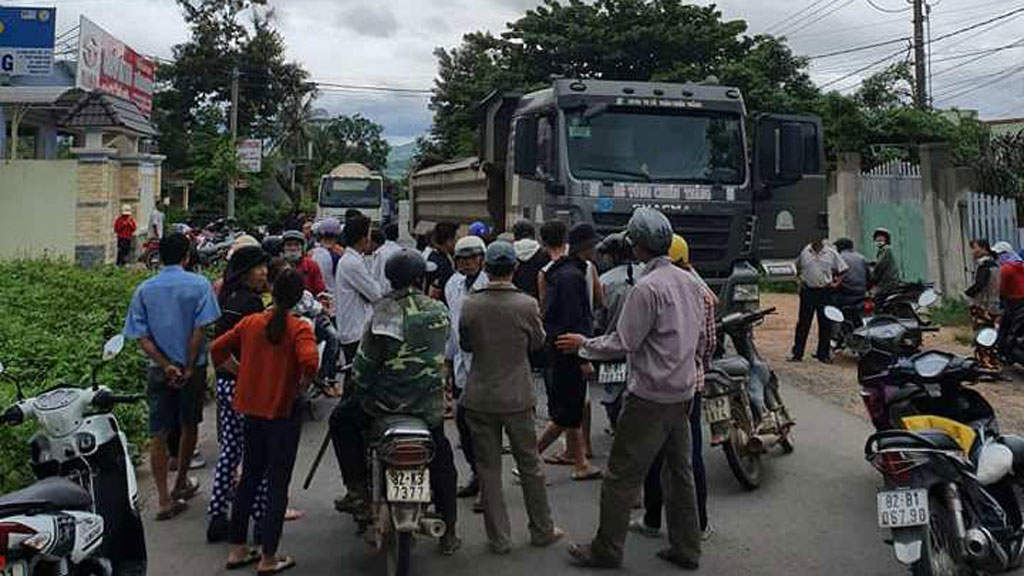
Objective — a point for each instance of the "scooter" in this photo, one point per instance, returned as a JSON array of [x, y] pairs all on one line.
[[82, 516], [742, 404], [951, 479], [852, 316]]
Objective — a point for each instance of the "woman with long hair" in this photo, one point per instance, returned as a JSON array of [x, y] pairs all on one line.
[[277, 359]]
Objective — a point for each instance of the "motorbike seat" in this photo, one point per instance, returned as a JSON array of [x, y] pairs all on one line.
[[400, 425], [927, 439], [1016, 446], [732, 366], [46, 495]]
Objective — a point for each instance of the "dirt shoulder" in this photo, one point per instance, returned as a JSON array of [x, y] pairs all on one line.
[[837, 383]]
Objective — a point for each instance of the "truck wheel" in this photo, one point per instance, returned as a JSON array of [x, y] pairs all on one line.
[[397, 553]]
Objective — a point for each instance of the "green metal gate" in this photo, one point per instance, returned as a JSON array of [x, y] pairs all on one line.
[[891, 197]]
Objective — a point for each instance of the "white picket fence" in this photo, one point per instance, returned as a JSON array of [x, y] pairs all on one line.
[[993, 218]]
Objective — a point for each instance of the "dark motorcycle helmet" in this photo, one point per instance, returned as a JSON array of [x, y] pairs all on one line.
[[406, 268], [273, 245], [844, 244]]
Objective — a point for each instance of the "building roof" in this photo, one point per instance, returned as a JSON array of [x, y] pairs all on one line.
[[40, 96], [99, 110]]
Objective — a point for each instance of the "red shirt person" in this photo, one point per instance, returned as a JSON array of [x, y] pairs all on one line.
[[124, 229]]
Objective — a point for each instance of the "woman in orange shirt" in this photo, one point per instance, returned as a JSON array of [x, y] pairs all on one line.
[[277, 358]]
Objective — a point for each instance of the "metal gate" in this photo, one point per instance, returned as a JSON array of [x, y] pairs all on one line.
[[992, 218], [891, 197]]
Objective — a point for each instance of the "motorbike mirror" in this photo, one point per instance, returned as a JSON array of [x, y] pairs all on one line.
[[834, 314], [927, 298], [987, 337], [113, 347]]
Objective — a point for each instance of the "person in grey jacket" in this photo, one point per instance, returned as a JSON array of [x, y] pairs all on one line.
[[500, 326], [662, 332]]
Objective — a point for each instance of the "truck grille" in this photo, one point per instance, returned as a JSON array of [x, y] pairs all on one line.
[[707, 235]]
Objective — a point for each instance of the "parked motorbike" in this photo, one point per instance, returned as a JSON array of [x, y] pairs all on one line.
[[151, 254], [742, 404], [318, 311], [82, 516], [904, 301], [951, 479], [855, 314]]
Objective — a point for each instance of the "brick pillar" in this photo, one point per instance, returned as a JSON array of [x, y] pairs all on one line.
[[97, 208]]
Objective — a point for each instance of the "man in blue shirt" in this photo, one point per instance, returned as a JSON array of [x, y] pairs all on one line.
[[168, 315]]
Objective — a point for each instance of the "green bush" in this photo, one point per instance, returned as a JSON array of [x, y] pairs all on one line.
[[56, 318], [952, 313], [779, 286]]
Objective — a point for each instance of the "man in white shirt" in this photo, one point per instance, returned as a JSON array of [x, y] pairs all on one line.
[[386, 250], [820, 269], [469, 261], [328, 253], [355, 289], [156, 223]]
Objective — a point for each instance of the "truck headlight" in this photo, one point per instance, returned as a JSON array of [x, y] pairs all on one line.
[[746, 293]]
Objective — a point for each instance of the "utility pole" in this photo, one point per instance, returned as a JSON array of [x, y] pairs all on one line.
[[920, 67], [233, 121]]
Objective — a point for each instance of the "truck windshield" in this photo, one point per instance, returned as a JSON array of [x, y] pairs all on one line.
[[640, 145], [350, 193]]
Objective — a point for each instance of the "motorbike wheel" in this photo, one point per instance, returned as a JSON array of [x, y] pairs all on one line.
[[745, 465], [940, 554], [397, 553]]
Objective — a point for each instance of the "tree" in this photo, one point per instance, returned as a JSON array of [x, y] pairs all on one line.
[[346, 139], [666, 40]]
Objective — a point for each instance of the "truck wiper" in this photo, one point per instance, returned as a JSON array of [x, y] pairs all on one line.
[[643, 176]]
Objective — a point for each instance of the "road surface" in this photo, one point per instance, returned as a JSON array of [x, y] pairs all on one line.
[[813, 515]]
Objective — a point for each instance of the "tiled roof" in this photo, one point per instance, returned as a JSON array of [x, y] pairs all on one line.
[[99, 110]]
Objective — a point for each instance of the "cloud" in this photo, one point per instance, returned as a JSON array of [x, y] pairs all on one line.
[[369, 20]]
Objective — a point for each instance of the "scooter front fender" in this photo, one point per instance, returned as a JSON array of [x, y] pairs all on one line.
[[908, 543]]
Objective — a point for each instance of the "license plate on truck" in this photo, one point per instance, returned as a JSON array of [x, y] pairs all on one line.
[[902, 508], [612, 373], [405, 485], [717, 409]]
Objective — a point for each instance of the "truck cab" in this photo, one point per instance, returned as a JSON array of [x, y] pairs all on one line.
[[594, 151], [350, 186]]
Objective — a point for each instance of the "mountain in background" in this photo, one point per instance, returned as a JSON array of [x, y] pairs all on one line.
[[399, 159]]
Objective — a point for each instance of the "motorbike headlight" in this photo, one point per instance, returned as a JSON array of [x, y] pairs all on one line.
[[746, 293]]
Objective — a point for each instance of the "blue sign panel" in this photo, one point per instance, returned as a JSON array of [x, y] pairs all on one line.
[[26, 41]]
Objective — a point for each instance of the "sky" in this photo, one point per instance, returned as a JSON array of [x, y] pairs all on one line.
[[391, 43]]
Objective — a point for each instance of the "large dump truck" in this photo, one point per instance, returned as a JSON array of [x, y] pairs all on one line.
[[593, 151], [349, 186]]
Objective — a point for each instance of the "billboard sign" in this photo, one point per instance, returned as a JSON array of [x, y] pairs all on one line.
[[250, 155], [105, 64], [26, 41]]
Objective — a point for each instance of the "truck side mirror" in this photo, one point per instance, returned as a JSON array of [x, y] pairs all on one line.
[[525, 149]]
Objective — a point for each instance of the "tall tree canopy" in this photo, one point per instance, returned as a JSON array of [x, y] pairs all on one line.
[[663, 40]]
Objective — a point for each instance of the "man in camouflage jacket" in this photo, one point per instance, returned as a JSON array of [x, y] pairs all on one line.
[[397, 372]]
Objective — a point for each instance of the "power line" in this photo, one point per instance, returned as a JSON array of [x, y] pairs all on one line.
[[815, 16], [979, 25], [886, 10], [782, 22], [1005, 75], [864, 68], [986, 54], [859, 48], [822, 17]]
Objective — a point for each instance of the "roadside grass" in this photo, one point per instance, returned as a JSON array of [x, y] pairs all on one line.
[[952, 313], [56, 318], [778, 286]]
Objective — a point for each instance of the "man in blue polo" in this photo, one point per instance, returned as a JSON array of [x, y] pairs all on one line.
[[168, 315]]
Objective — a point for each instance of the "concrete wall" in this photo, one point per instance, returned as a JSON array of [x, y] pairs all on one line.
[[37, 208]]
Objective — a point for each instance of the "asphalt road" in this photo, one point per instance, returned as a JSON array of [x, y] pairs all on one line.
[[814, 514]]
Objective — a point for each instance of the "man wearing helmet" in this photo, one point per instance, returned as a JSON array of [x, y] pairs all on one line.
[[662, 333], [885, 276], [294, 251], [397, 371], [469, 261]]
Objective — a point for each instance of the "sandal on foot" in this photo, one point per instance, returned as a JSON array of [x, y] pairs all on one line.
[[560, 460], [251, 558], [583, 556], [280, 565], [177, 507], [188, 492], [592, 474], [291, 515]]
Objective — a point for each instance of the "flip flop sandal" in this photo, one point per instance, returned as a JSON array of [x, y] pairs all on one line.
[[177, 508], [251, 558], [292, 515], [592, 474], [282, 564], [583, 556], [188, 492], [558, 460]]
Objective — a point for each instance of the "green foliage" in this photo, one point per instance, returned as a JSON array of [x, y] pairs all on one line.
[[56, 319], [951, 312], [1000, 165], [348, 139], [768, 286]]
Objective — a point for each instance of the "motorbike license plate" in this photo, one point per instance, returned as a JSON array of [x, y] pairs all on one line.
[[408, 485], [902, 508], [717, 409], [16, 568], [612, 373]]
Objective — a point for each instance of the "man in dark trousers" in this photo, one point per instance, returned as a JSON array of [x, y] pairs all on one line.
[[820, 270]]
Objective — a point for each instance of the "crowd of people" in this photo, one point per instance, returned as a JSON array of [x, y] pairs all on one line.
[[470, 318], [837, 274]]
